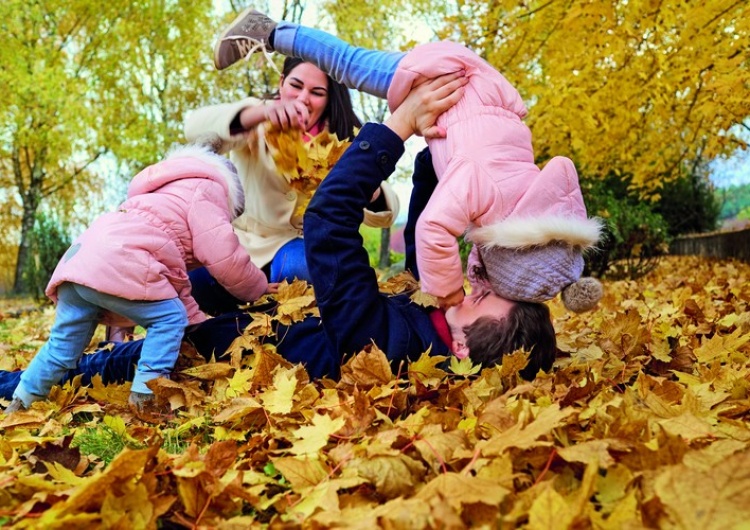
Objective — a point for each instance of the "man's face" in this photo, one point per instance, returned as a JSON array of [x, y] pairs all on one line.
[[475, 305]]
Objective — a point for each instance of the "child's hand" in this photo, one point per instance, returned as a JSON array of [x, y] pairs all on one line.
[[455, 298], [273, 288]]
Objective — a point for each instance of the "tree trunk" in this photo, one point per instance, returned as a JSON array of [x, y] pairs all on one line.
[[27, 225], [385, 248]]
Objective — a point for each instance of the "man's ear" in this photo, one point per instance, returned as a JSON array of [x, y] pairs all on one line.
[[460, 349]]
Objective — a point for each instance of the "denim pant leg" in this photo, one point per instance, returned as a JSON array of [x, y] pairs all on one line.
[[164, 321], [369, 71], [290, 263], [75, 322]]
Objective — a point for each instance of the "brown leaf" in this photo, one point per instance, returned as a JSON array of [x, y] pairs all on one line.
[[720, 502], [367, 369], [457, 490], [392, 476]]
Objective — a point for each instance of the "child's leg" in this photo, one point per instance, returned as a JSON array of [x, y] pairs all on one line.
[[75, 323], [165, 322], [369, 71]]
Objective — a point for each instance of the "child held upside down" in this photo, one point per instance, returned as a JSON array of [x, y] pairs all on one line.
[[529, 225], [133, 263]]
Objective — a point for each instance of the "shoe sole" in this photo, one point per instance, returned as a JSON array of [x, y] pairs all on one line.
[[223, 35]]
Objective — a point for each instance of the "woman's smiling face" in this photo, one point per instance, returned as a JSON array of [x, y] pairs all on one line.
[[308, 84]]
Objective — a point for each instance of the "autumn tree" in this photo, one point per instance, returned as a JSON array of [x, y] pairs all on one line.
[[642, 87], [88, 82]]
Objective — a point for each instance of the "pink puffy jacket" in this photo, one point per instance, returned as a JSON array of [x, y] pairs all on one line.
[[485, 166], [177, 217]]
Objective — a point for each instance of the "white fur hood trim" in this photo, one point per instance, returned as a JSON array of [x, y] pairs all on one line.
[[527, 232], [235, 193]]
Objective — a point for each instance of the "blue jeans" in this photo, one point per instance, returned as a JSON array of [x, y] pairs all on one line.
[[78, 312], [290, 263], [369, 71]]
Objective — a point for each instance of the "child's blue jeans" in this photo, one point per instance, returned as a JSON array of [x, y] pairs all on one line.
[[369, 71], [79, 309]]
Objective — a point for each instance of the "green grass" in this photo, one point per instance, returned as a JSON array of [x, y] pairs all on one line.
[[103, 442]]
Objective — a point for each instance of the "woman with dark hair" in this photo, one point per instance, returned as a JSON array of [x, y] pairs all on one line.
[[269, 228]]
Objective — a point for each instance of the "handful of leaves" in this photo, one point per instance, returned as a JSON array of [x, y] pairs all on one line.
[[304, 164]]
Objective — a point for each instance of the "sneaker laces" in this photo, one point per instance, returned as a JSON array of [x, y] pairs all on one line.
[[257, 45]]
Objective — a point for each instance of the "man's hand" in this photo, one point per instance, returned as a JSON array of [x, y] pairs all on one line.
[[418, 113]]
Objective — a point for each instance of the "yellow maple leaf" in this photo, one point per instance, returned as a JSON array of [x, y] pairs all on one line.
[[279, 398], [464, 366], [312, 438], [426, 367], [721, 346], [239, 384]]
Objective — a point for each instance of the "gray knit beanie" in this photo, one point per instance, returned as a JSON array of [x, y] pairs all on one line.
[[539, 273]]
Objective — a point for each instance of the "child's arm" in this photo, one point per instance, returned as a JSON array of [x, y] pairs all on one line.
[[216, 246], [454, 205]]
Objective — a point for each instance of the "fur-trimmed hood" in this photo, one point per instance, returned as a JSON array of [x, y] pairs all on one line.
[[192, 161], [525, 232]]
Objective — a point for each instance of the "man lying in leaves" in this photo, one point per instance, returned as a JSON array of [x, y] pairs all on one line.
[[353, 312]]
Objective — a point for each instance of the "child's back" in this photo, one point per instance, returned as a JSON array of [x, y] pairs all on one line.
[[177, 216]]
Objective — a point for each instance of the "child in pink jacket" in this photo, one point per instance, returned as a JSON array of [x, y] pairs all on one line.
[[133, 263], [489, 186]]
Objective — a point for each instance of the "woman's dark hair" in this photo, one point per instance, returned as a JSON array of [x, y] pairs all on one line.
[[338, 112], [527, 326]]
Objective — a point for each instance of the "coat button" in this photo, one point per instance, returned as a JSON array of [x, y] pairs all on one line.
[[383, 159], [364, 145], [291, 196]]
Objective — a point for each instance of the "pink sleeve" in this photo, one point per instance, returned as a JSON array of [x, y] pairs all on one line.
[[217, 247], [449, 213]]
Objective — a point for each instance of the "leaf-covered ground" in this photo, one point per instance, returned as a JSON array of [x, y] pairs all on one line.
[[642, 423]]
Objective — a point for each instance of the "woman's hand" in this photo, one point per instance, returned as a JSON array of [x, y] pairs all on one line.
[[418, 113], [288, 114], [273, 288], [284, 115]]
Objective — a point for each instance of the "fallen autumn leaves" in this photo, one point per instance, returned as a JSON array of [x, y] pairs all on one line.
[[642, 423]]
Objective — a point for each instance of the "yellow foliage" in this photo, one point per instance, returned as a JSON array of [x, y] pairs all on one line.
[[615, 436], [304, 165]]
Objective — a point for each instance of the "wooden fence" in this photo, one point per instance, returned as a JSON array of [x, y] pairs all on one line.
[[715, 245]]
